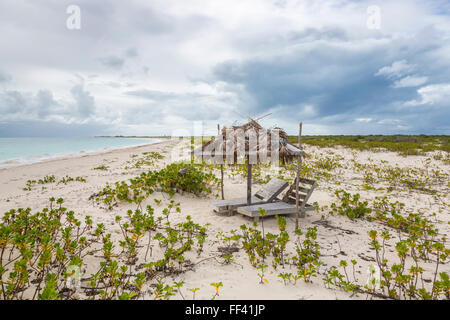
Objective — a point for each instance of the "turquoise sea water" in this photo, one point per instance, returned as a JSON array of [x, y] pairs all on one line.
[[27, 150]]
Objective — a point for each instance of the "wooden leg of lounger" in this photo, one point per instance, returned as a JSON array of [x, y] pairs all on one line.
[[230, 211], [302, 213]]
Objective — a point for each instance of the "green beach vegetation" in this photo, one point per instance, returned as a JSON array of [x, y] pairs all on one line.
[[43, 251], [51, 179], [403, 144], [175, 177]]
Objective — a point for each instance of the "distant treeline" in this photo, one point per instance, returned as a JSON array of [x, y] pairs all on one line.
[[403, 144]]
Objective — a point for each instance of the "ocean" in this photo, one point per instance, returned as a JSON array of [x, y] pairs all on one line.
[[28, 150]]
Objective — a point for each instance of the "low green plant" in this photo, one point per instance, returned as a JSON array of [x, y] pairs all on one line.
[[101, 167], [400, 282], [67, 179], [307, 259], [350, 205], [45, 180], [194, 290], [173, 178], [216, 285], [40, 251], [261, 274]]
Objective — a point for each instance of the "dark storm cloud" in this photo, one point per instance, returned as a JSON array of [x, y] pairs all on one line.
[[190, 106], [343, 79], [12, 102], [162, 62], [42, 105]]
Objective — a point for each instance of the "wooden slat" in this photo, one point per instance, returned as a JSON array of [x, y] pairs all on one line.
[[221, 205], [308, 184], [296, 151], [268, 193], [300, 196], [272, 209], [303, 190], [292, 200], [271, 190], [307, 198], [307, 181]]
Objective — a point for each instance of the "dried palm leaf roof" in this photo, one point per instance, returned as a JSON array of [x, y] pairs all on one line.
[[251, 140]]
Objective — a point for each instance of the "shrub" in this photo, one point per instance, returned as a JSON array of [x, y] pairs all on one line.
[[175, 177], [350, 205]]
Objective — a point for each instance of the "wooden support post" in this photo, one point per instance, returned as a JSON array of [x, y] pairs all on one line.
[[202, 146], [249, 182], [221, 166], [302, 213], [192, 150], [221, 180], [297, 196]]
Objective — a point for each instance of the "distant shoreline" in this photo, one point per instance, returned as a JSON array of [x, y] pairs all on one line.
[[26, 161]]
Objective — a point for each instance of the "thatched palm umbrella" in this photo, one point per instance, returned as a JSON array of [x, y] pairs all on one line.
[[251, 142]]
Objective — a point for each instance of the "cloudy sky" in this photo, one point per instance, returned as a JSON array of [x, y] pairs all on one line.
[[155, 67]]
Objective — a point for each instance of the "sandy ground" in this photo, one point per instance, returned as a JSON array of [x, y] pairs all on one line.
[[340, 239]]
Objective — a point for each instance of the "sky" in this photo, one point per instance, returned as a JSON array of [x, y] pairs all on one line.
[[172, 67]]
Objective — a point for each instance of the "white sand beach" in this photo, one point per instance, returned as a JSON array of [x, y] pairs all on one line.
[[339, 237]]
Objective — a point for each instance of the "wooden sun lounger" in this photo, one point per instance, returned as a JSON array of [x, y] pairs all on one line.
[[273, 208], [232, 204], [287, 206], [266, 194]]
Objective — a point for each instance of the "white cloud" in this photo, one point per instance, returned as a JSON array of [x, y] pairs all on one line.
[[363, 119], [432, 94], [410, 81], [396, 70], [388, 121]]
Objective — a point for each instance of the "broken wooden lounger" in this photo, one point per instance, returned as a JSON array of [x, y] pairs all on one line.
[[266, 194], [287, 206], [273, 208]]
